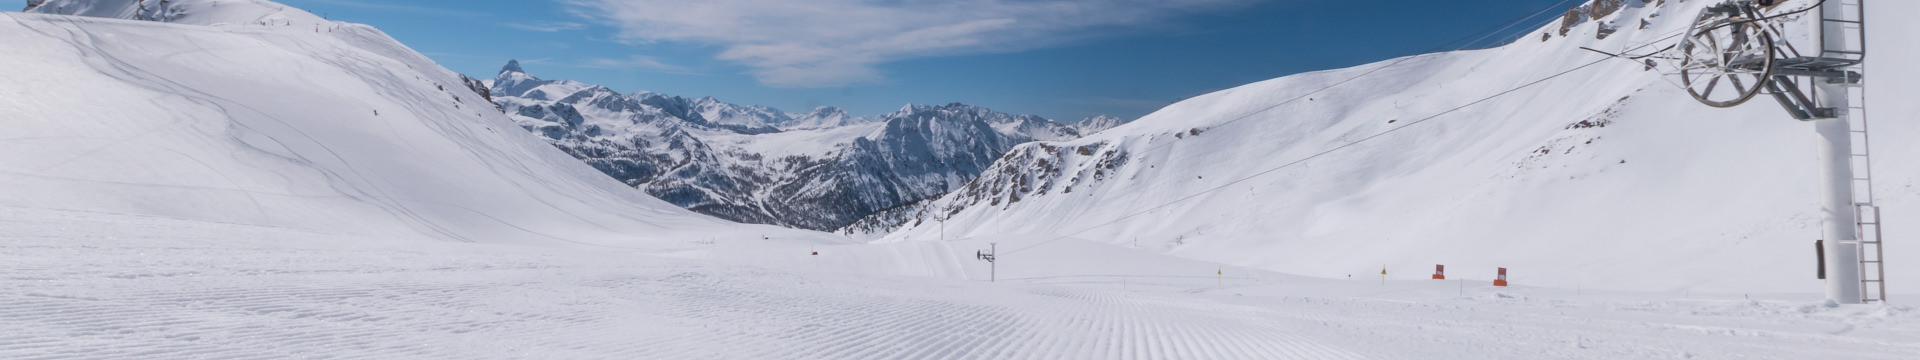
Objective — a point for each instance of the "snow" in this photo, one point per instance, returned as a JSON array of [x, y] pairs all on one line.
[[92, 285], [1668, 196], [286, 127], [194, 12], [186, 191], [809, 142]]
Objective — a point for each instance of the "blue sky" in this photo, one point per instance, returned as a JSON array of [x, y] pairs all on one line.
[[1062, 59]]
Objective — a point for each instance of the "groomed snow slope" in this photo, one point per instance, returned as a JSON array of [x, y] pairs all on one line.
[[214, 192], [1607, 177], [100, 286], [308, 125]]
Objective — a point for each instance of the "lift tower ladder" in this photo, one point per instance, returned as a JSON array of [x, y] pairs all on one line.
[[1843, 49], [1839, 94], [1873, 286]]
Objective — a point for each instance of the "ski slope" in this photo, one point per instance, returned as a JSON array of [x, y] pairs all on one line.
[[1606, 176], [223, 190], [82, 285], [312, 125]]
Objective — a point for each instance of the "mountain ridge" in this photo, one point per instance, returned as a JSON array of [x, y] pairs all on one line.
[[820, 170]]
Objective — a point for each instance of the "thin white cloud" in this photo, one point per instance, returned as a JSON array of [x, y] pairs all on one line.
[[637, 62], [544, 26], [829, 43]]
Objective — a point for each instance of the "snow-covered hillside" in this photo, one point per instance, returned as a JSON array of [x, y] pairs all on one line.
[[1606, 177], [192, 12], [249, 112], [191, 191], [820, 170]]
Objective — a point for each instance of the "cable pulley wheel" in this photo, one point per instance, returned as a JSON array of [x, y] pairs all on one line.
[[1727, 56]]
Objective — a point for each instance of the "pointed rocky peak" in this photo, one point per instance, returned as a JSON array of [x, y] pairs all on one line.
[[906, 109], [514, 81], [513, 66]]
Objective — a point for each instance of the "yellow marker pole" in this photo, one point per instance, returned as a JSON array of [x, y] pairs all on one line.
[[1220, 277], [1383, 275]]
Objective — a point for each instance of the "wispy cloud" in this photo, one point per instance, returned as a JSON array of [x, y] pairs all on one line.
[[828, 43], [638, 62], [545, 26]]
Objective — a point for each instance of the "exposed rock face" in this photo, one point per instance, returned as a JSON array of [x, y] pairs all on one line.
[[1030, 170], [1603, 8], [820, 170], [1597, 11]]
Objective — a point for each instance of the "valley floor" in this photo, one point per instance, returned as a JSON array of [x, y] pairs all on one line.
[[89, 285]]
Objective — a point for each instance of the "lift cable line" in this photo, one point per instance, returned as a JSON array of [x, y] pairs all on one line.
[[1475, 37], [1469, 39], [1505, 27], [1333, 149]]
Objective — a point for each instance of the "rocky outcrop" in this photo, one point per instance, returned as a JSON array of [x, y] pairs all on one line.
[[701, 153]]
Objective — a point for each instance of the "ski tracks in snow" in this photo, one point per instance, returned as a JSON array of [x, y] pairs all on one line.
[[91, 285], [112, 286]]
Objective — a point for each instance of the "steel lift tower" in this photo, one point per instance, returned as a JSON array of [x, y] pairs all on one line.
[[1738, 49]]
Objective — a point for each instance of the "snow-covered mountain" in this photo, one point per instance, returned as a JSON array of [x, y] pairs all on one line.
[[252, 191], [251, 113], [820, 170], [193, 12], [1605, 177], [1097, 123]]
